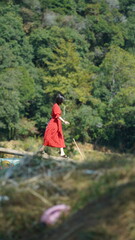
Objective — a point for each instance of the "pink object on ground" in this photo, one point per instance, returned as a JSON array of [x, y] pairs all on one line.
[[51, 215]]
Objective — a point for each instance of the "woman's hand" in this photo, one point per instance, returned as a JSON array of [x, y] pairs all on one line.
[[66, 122]]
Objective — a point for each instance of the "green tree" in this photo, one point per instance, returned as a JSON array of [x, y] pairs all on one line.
[[125, 5], [103, 27], [120, 124], [130, 38], [60, 6], [117, 68], [9, 105], [13, 42], [45, 41], [17, 90], [85, 124], [116, 88], [65, 73]]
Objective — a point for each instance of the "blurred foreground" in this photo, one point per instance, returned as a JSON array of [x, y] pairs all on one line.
[[99, 189]]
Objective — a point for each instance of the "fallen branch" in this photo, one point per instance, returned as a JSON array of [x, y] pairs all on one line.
[[38, 196]]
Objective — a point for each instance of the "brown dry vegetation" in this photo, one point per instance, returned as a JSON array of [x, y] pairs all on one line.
[[102, 204]]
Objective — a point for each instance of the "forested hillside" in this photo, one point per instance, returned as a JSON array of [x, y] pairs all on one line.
[[84, 49]]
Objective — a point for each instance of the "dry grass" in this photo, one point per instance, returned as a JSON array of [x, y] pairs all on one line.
[[103, 203]]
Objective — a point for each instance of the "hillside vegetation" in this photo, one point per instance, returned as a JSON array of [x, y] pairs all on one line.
[[83, 49]]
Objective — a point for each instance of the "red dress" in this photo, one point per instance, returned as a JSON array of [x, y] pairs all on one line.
[[53, 136]]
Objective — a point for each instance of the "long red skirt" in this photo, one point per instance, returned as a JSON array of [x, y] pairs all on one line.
[[53, 135]]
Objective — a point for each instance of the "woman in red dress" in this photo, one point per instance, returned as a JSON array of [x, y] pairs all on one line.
[[53, 136]]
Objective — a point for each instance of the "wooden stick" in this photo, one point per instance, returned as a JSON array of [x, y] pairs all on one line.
[[78, 149], [14, 152], [38, 196]]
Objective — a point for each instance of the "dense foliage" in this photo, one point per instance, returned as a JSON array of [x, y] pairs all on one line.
[[83, 49]]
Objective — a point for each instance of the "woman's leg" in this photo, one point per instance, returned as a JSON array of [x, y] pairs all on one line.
[[62, 153], [42, 148]]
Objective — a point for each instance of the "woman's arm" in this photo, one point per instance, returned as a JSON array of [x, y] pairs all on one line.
[[66, 122]]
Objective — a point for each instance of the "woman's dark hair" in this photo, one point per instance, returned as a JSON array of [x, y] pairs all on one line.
[[59, 99]]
